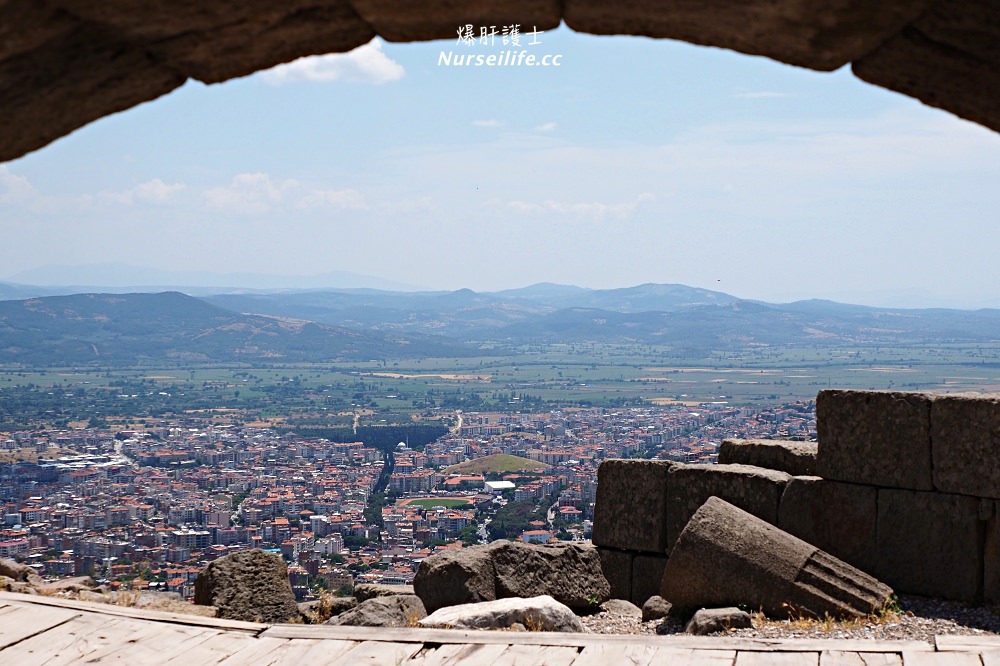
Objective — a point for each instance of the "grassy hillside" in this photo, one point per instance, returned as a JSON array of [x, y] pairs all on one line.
[[131, 328], [499, 463]]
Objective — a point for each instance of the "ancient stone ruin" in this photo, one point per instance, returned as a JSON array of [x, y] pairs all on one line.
[[728, 557], [901, 490], [905, 489]]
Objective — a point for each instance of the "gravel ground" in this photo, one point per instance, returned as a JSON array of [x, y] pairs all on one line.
[[920, 619]]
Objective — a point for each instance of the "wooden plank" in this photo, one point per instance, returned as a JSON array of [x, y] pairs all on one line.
[[156, 644], [67, 643], [376, 652], [991, 658], [213, 647], [947, 643], [95, 638], [777, 659], [138, 613], [549, 655], [695, 657], [259, 652], [299, 652], [567, 639], [941, 659], [452, 654], [839, 658], [603, 654], [26, 621]]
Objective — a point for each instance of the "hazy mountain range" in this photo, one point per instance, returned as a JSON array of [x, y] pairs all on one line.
[[361, 324]]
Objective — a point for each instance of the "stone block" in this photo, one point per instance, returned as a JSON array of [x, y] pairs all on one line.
[[990, 515], [647, 576], [728, 557], [462, 576], [753, 489], [837, 517], [795, 458], [617, 568], [965, 444], [879, 438], [711, 620], [366, 591], [631, 505], [568, 572], [930, 544], [991, 551]]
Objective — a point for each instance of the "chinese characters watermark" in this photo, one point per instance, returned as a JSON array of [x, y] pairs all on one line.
[[512, 36]]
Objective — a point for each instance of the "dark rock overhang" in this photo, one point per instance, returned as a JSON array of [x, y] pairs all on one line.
[[65, 63]]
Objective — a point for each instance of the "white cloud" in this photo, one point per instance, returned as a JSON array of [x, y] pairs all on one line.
[[595, 210], [155, 191], [249, 193], [546, 127], [15, 188], [365, 64], [492, 122], [255, 193], [152, 192], [349, 198]]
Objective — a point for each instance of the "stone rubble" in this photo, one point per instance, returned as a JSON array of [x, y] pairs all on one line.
[[568, 572], [541, 613], [713, 620], [397, 610]]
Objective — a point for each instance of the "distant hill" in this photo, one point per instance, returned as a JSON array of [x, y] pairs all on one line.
[[363, 324], [647, 297], [130, 328], [684, 317], [464, 314], [500, 463], [748, 323]]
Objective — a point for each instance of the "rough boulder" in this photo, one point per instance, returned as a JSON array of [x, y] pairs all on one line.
[[398, 610], [568, 572], [250, 585]]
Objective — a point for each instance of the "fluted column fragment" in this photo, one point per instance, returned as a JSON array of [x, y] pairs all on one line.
[[728, 557]]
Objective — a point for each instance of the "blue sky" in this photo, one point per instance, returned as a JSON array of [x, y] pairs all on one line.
[[633, 161]]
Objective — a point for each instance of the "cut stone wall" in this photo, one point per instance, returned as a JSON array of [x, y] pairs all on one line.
[[795, 458], [965, 444], [907, 490], [930, 544], [837, 517], [879, 438], [622, 522], [754, 489]]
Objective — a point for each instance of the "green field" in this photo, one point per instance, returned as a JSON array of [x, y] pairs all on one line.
[[431, 503], [528, 378], [499, 463]]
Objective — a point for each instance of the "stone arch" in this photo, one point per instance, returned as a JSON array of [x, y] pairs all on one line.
[[65, 63]]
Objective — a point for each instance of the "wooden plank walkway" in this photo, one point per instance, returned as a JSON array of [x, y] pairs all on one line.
[[44, 630]]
